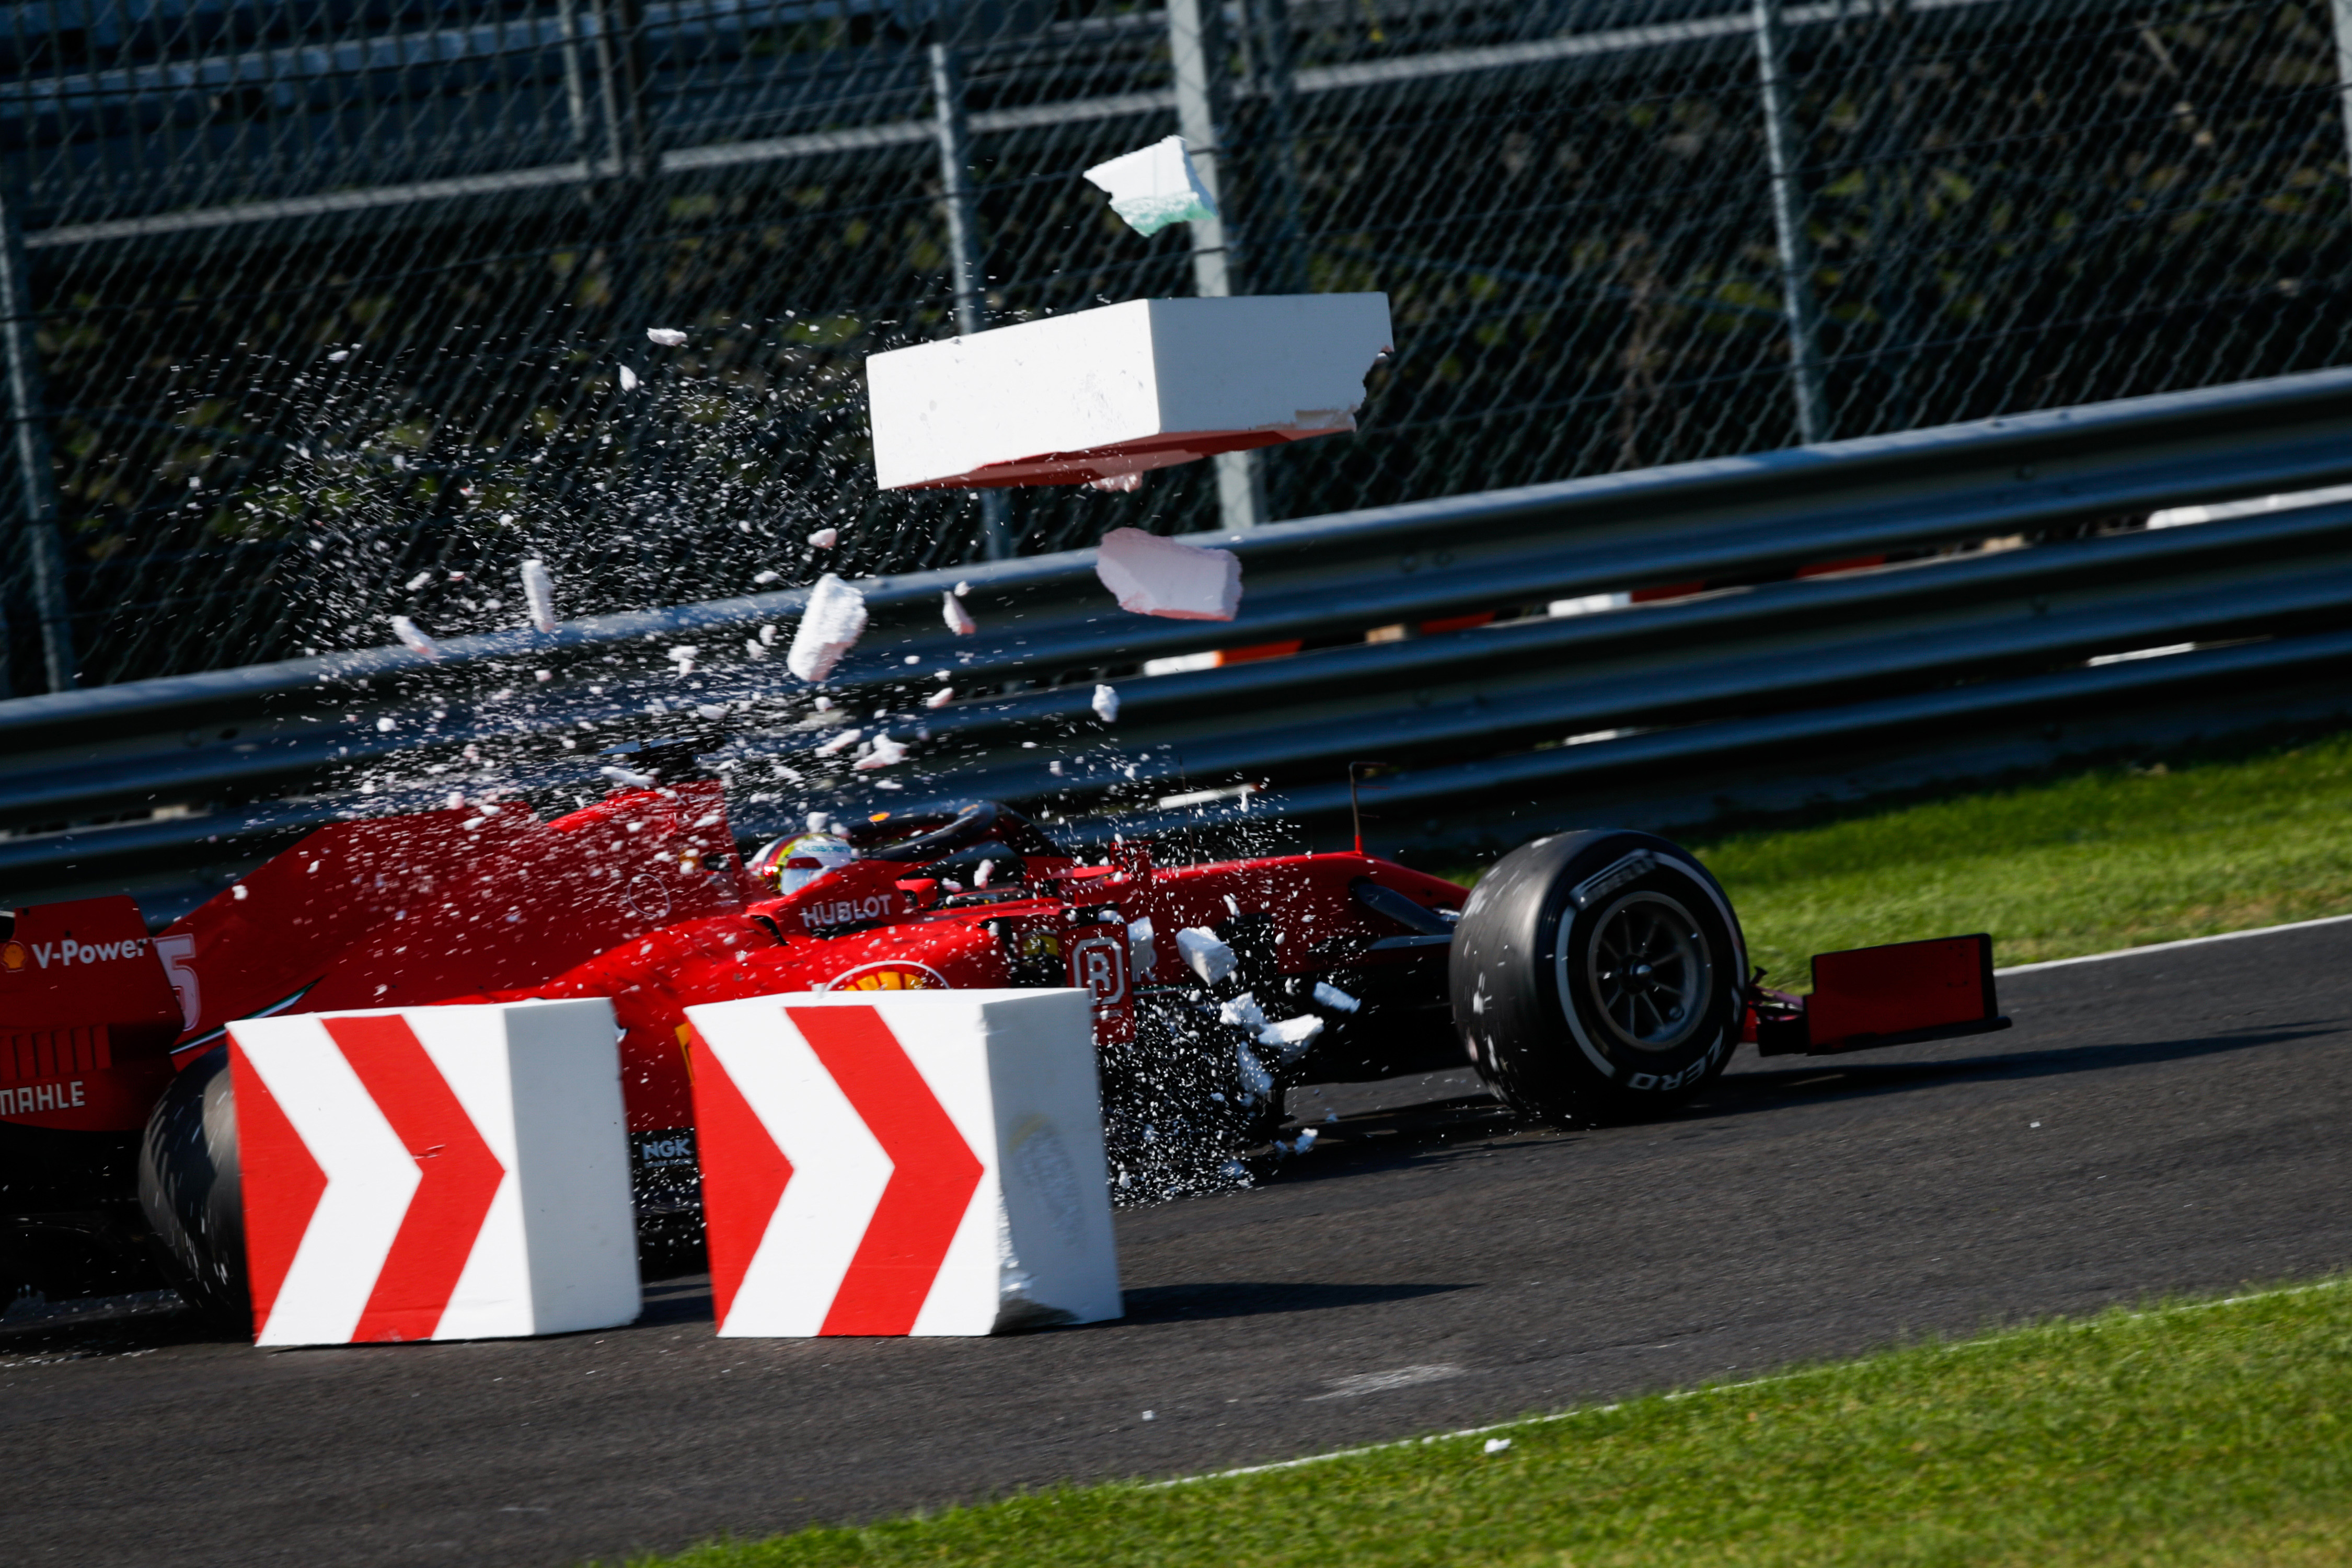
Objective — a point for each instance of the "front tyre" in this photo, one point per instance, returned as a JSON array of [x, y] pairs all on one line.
[[1598, 976]]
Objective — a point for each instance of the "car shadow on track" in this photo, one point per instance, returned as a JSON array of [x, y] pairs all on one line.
[[1833, 1079], [1251, 1298]]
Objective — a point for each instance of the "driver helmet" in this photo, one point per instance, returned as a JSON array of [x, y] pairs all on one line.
[[791, 863]]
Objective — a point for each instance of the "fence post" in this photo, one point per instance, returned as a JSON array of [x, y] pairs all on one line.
[[1280, 257], [1196, 43], [965, 257], [1783, 150], [36, 484]]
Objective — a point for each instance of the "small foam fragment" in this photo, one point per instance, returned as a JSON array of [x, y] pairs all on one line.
[[1118, 484], [666, 337], [1496, 1445], [386, 726], [939, 699], [1330, 996], [764, 578], [1141, 954], [1204, 954], [628, 379], [824, 704], [1256, 1082], [627, 779], [1305, 1141], [411, 638], [767, 636], [539, 594], [1154, 576], [1105, 703], [419, 580], [830, 627], [958, 618], [1292, 1035], [240, 892], [839, 743], [1243, 1010], [887, 753], [1154, 186], [824, 539]]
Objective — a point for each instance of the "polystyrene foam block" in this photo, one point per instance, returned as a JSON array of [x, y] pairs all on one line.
[[909, 1163], [1121, 389], [1154, 186], [435, 1173], [1150, 575]]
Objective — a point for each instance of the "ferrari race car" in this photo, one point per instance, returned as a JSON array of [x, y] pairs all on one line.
[[1593, 975]]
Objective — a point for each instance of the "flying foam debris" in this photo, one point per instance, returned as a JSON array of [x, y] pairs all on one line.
[[1206, 956], [411, 638], [666, 337], [1154, 186], [830, 627], [958, 618], [1105, 703], [1154, 576], [539, 594]]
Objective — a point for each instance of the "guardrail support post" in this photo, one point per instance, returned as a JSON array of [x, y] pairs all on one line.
[[2339, 14], [1784, 152], [965, 253], [1196, 42], [36, 484]]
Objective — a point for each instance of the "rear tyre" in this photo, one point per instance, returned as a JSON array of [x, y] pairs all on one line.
[[1598, 976], [189, 1190]]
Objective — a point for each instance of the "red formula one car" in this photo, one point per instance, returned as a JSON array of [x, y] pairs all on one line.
[[1593, 976]]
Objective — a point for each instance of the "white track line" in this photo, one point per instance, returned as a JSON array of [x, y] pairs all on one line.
[[1569, 1414], [2169, 946]]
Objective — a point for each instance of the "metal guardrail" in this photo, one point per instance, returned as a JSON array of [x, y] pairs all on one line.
[[168, 786]]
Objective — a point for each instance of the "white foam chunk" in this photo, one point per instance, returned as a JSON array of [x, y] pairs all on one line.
[[839, 743], [887, 753], [1292, 1035], [1206, 956], [939, 699], [539, 594], [1154, 576], [1243, 1010], [626, 779], [411, 638], [824, 539], [1141, 954], [1330, 996], [1105, 703], [830, 627], [667, 337], [1121, 389], [1154, 186], [958, 618]]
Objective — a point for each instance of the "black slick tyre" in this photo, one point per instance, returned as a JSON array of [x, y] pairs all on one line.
[[189, 1189], [1598, 976]]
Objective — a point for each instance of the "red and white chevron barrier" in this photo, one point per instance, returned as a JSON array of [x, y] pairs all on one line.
[[908, 1163], [435, 1173]]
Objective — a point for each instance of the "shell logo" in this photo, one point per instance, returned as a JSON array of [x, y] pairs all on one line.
[[891, 975], [11, 955]]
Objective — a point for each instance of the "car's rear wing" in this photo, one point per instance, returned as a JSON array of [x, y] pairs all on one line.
[[1870, 996]]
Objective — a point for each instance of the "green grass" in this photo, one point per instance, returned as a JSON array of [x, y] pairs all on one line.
[[2086, 863], [2199, 1434]]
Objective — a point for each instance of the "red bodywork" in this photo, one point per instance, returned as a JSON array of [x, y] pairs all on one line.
[[640, 898]]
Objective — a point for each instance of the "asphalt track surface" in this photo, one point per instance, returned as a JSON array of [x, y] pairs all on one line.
[[2170, 1121]]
